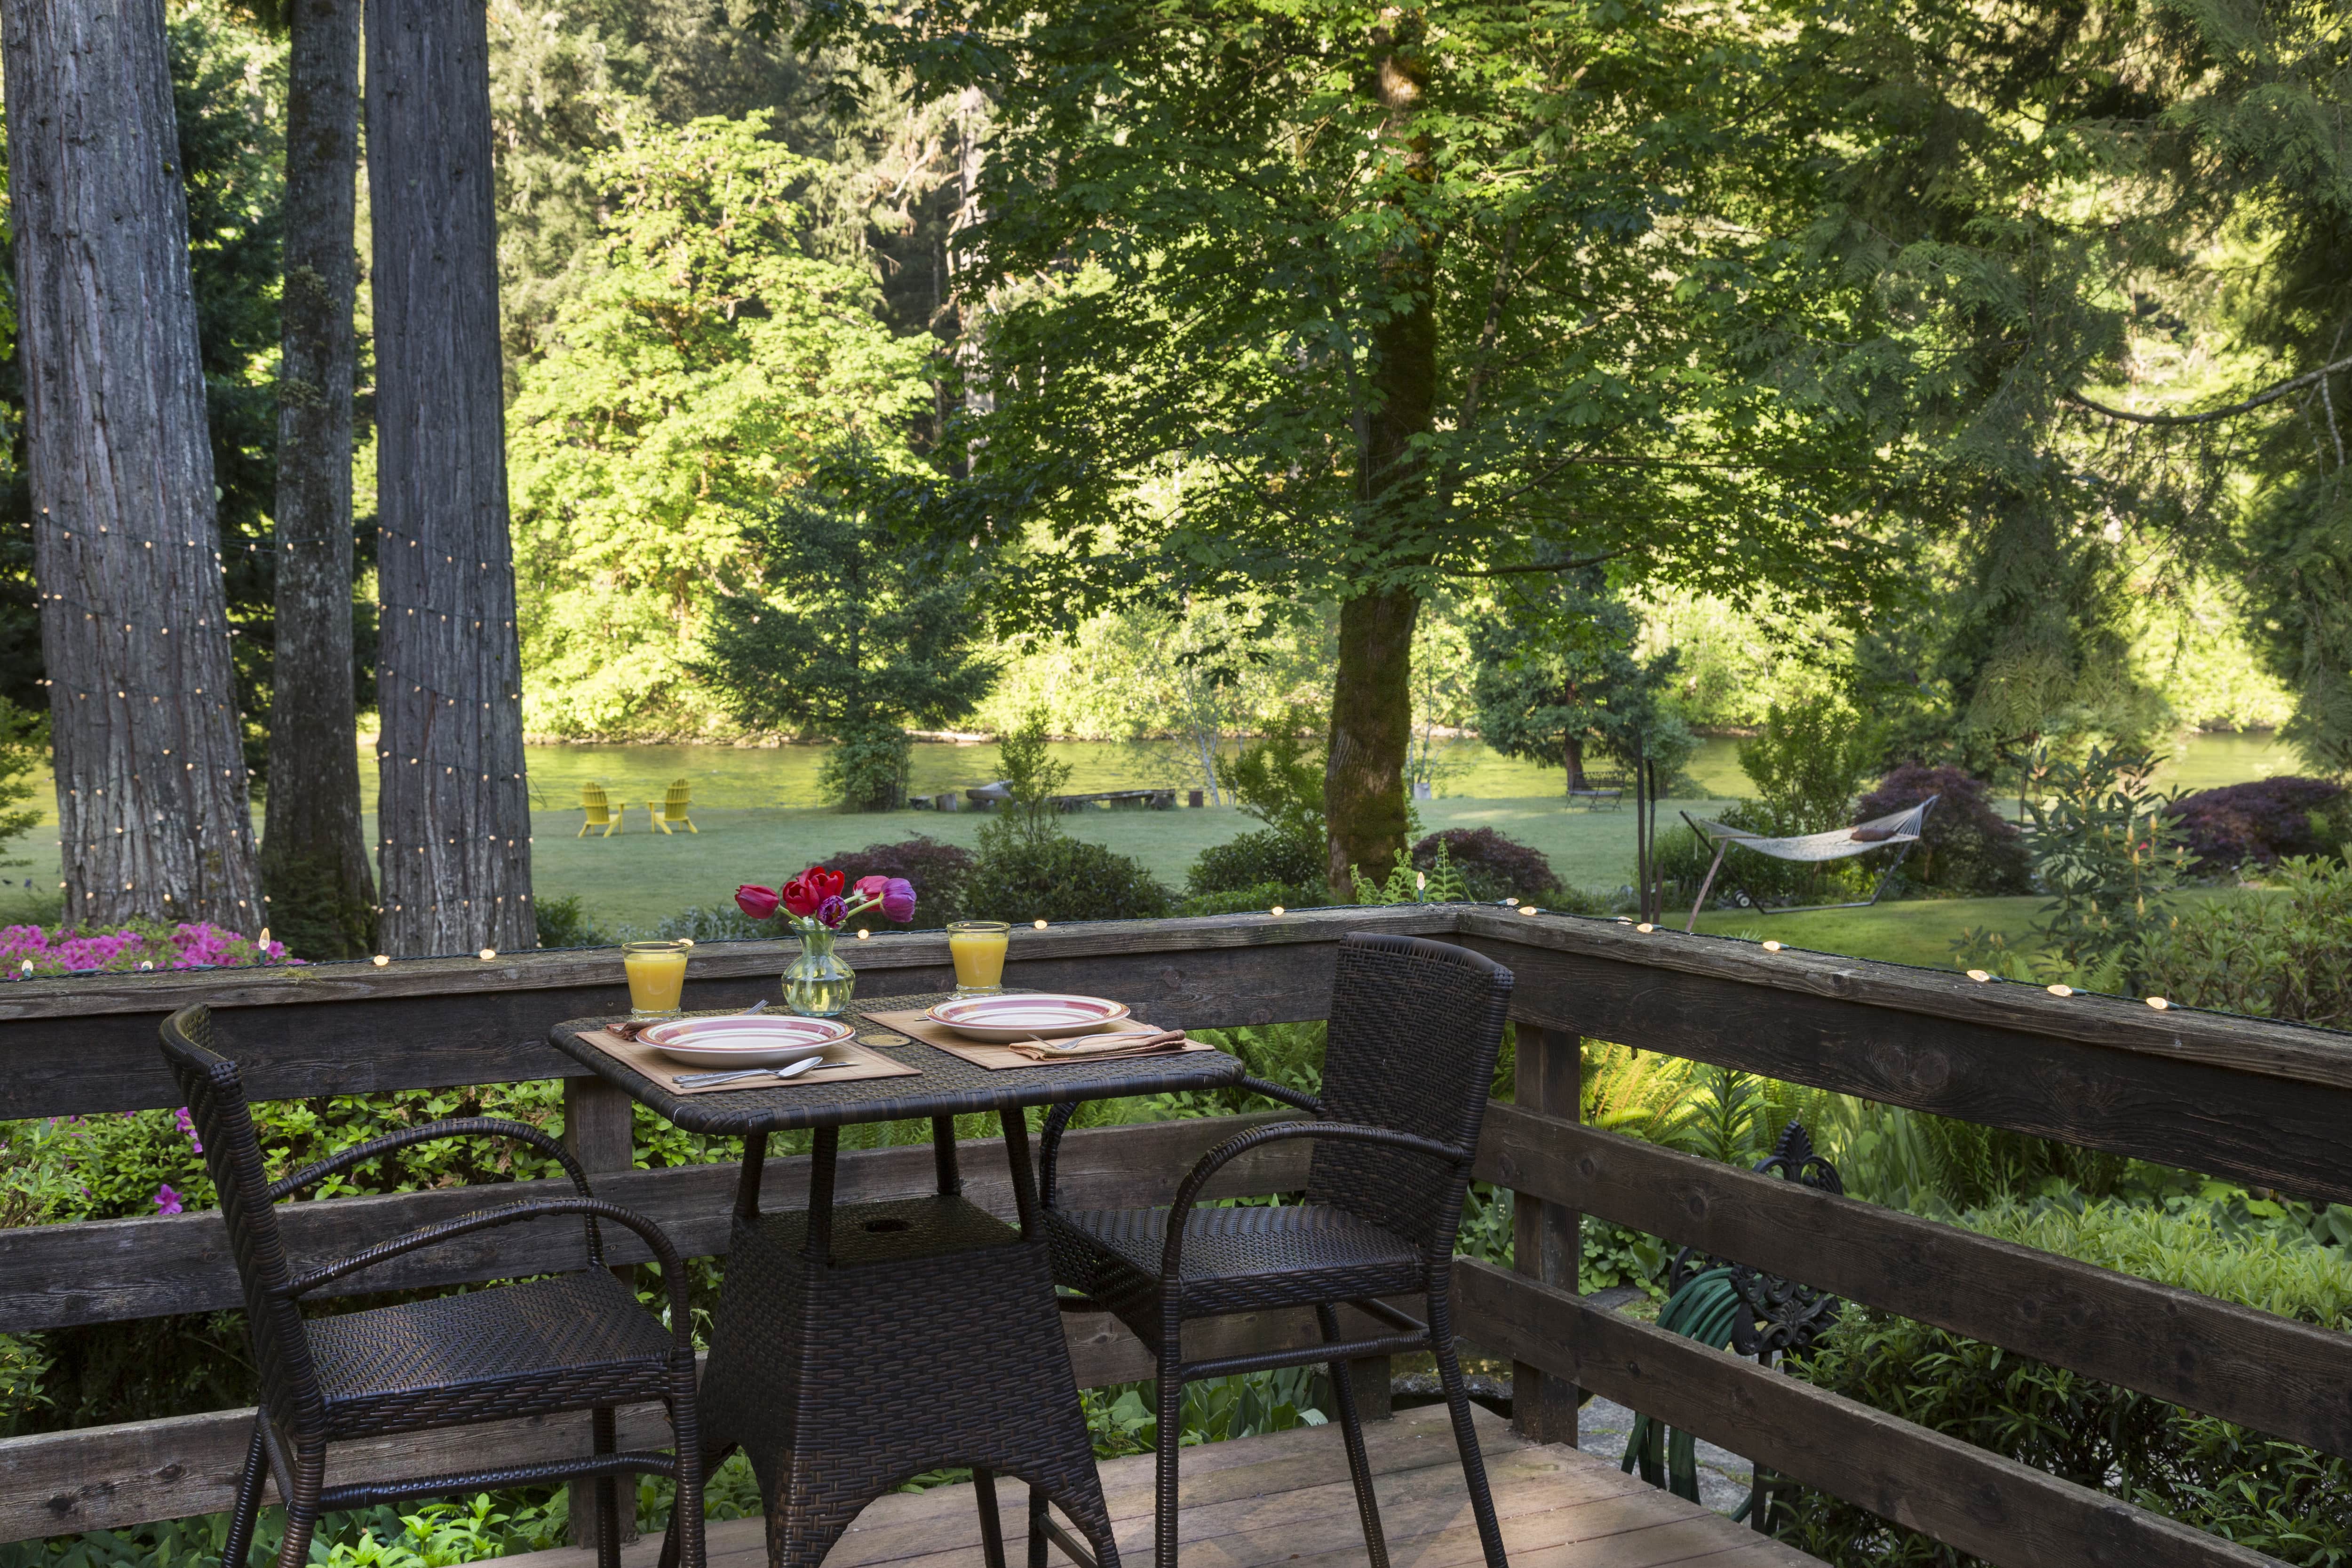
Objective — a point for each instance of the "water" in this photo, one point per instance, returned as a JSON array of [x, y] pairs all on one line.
[[727, 777]]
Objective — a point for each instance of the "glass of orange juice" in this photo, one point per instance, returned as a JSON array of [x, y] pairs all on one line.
[[656, 972], [978, 949]]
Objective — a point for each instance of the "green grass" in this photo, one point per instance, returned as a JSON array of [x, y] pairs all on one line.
[[1914, 930]]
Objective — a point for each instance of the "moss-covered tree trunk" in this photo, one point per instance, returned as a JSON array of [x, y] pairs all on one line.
[[314, 859], [151, 799], [454, 810], [1372, 693]]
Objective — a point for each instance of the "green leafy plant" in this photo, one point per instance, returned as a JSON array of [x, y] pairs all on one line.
[[1278, 777], [1033, 778], [2107, 847], [1061, 879], [2279, 952], [1407, 884], [1807, 762], [566, 922], [1267, 857]]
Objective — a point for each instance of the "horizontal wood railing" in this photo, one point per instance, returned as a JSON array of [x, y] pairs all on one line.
[[2260, 1101]]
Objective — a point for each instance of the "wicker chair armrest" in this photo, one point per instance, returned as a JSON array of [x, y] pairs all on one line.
[[455, 1127], [665, 1253], [1171, 1253], [1297, 1099]]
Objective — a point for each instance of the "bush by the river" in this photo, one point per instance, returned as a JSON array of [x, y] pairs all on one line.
[[1061, 879], [2258, 823], [1293, 862], [1493, 866], [1965, 846]]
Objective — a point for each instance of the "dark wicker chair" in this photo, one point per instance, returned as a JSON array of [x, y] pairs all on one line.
[[574, 1342], [1415, 1028]]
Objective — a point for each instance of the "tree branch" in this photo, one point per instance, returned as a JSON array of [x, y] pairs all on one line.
[[1546, 566], [2270, 395]]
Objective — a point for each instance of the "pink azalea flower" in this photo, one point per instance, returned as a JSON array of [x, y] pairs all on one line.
[[166, 1199]]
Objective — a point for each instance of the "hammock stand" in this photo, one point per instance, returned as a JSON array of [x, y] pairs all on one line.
[[1812, 849]]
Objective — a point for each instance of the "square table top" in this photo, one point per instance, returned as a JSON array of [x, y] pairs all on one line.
[[946, 1085]]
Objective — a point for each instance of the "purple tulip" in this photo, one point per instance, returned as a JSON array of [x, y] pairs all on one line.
[[832, 912], [899, 899]]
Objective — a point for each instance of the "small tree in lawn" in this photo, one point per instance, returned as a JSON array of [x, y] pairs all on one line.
[[849, 631], [1555, 677]]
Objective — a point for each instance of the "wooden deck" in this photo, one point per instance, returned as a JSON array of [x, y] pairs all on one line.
[[1286, 1499]]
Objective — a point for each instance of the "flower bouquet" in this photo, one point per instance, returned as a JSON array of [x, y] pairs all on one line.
[[816, 904]]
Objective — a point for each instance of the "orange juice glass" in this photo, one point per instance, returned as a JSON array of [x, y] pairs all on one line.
[[656, 972], [978, 949]]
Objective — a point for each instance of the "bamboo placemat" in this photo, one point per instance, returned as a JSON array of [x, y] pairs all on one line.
[[640, 1058], [981, 1053]]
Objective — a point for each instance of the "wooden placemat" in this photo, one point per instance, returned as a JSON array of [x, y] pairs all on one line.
[[640, 1058], [981, 1053]]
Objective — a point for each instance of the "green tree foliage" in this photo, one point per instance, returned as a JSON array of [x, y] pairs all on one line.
[[1032, 778], [1406, 295], [848, 630], [2107, 847], [1555, 676], [690, 386], [1808, 761]]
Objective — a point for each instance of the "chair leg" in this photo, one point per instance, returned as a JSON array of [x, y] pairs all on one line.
[[1465, 1435], [241, 1517], [607, 1492], [1352, 1432], [302, 1507], [682, 1543], [992, 1525], [1037, 1542], [1171, 1437]]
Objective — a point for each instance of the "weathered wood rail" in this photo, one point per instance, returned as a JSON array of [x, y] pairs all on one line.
[[2259, 1101]]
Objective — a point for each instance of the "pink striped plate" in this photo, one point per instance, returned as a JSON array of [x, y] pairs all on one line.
[[756, 1041], [1027, 1017]]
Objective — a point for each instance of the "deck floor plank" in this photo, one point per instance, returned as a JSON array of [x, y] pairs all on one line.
[[1285, 1498]]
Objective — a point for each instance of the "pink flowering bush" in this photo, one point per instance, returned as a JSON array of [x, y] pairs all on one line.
[[29, 951]]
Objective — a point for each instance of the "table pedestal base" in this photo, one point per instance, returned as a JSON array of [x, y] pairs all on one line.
[[927, 1340]]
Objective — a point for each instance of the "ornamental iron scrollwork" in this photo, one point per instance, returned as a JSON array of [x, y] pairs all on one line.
[[1782, 1317]]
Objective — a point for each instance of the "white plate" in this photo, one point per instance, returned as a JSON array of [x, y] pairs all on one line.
[[1026, 1015], [759, 1042]]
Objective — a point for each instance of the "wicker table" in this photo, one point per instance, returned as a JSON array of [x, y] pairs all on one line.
[[856, 1345]]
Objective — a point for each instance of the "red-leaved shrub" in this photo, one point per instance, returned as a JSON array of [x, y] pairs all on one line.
[[1965, 846], [2256, 823]]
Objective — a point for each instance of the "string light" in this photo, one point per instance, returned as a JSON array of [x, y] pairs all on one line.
[[487, 953], [1978, 975], [1528, 909], [1645, 928], [2062, 990], [1772, 947], [2159, 1003], [383, 958], [1277, 908]]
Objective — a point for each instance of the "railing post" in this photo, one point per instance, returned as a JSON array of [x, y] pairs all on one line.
[[599, 1130], [1546, 1237]]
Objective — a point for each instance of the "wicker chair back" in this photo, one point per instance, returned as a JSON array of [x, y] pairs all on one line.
[[1415, 1027], [218, 1110]]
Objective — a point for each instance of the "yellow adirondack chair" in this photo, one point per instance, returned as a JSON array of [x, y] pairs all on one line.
[[671, 809], [594, 801]]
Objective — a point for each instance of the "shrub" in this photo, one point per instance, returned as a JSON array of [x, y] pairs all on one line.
[[2105, 848], [868, 770], [1965, 847], [27, 950], [1291, 860], [1241, 901], [1278, 778], [1061, 879], [1806, 762], [1492, 866], [2258, 823], [937, 870], [564, 922], [2273, 953], [2259, 1492]]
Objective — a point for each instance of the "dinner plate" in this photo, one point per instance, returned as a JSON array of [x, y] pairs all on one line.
[[758, 1042], [1026, 1015]]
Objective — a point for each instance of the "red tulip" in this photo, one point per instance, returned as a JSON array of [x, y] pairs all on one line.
[[800, 898], [871, 887], [757, 901], [823, 883]]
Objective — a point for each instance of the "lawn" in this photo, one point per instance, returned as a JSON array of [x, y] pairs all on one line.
[[1913, 931]]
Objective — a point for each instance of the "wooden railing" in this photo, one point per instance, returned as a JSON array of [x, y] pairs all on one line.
[[2261, 1102]]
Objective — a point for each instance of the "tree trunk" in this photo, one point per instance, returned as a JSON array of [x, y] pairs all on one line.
[[152, 802], [1371, 692], [314, 859], [454, 812], [1572, 757]]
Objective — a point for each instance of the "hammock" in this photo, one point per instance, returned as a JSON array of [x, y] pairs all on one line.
[[1901, 827]]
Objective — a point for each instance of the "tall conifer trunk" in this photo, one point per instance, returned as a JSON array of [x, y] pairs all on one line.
[[314, 859], [1371, 692], [152, 798], [453, 812]]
